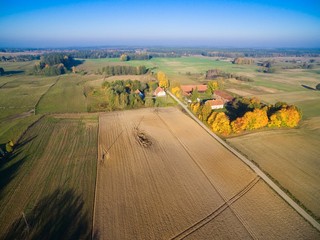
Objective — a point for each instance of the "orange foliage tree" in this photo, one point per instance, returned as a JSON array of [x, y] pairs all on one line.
[[221, 124]]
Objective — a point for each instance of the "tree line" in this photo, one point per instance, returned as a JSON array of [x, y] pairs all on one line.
[[216, 73], [113, 70], [244, 114], [19, 58]]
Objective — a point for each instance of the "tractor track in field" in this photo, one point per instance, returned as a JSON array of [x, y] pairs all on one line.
[[216, 212]]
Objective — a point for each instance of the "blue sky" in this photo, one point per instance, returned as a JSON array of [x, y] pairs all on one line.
[[172, 23]]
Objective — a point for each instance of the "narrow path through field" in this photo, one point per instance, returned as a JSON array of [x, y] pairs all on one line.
[[41, 97], [261, 174]]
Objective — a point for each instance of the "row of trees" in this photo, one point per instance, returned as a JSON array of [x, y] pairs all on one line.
[[123, 70], [19, 58], [110, 53], [217, 73], [247, 114]]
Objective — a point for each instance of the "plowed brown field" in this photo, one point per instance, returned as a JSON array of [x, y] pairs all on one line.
[[161, 176]]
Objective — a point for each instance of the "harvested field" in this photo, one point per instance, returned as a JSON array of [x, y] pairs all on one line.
[[289, 156], [47, 186], [161, 176]]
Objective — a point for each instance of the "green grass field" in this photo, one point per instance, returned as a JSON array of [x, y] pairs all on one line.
[[19, 95], [65, 96]]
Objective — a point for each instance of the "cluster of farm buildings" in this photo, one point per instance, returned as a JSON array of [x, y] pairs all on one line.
[[219, 97]]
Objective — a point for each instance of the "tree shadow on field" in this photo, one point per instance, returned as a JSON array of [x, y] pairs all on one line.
[[11, 163], [24, 142], [308, 87], [13, 72], [59, 215], [9, 166]]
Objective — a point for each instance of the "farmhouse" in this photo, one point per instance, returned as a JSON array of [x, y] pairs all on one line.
[[222, 95], [187, 89], [215, 103], [159, 92]]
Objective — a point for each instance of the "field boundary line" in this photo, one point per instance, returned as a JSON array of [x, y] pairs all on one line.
[[227, 204], [40, 98], [96, 183], [30, 126], [4, 84], [256, 169]]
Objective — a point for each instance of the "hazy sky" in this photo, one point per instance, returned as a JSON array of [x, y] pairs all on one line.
[[213, 23]]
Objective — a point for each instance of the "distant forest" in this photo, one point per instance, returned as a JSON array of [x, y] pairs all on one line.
[[155, 52]]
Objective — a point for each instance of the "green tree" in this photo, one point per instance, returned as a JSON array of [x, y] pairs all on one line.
[[1, 71], [205, 112], [318, 87], [194, 95]]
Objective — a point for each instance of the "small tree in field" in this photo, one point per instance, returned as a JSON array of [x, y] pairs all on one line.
[[318, 87], [124, 57]]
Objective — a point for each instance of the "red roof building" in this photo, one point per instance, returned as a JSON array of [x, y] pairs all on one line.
[[159, 92], [215, 104], [222, 95], [187, 89]]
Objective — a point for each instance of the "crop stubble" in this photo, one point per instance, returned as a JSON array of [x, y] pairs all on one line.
[[183, 185]]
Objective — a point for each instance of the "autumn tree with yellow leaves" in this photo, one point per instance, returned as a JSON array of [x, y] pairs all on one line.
[[287, 116], [177, 91], [163, 79], [195, 108], [247, 114], [221, 124], [256, 119]]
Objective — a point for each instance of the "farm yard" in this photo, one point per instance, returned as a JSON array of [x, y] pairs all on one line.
[[160, 181]]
